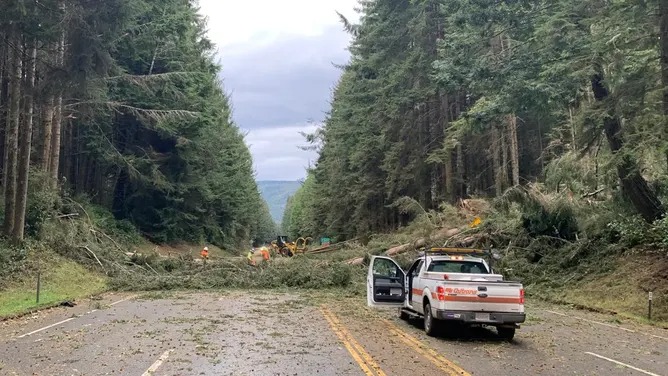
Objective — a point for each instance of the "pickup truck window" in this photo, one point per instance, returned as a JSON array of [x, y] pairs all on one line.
[[415, 268], [451, 266], [385, 268]]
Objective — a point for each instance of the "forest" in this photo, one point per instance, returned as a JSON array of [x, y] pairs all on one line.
[[557, 108], [118, 104]]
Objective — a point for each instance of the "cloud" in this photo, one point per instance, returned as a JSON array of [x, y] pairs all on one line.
[[276, 152], [263, 21], [277, 59], [273, 88], [286, 83]]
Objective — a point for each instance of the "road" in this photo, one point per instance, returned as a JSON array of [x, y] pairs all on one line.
[[271, 333]]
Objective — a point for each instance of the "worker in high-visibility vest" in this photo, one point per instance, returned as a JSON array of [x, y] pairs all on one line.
[[251, 259], [205, 253], [265, 253]]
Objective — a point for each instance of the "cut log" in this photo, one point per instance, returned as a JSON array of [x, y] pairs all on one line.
[[417, 244], [406, 247], [445, 233], [467, 241]]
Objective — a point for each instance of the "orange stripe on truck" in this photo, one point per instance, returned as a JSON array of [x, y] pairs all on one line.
[[450, 298], [417, 292]]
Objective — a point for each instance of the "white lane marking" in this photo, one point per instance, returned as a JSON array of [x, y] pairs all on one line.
[[154, 367], [556, 313], [657, 336], [71, 318], [594, 322], [622, 364], [46, 327], [122, 300], [608, 325]]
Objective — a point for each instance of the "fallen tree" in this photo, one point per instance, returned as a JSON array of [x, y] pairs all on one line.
[[441, 235]]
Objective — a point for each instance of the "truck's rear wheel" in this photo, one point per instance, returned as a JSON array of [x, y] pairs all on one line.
[[506, 333], [431, 325]]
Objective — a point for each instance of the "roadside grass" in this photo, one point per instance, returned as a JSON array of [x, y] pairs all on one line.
[[624, 290], [61, 280]]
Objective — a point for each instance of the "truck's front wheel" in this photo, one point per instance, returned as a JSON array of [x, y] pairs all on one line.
[[431, 325]]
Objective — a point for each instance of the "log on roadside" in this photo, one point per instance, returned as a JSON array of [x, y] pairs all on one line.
[[406, 247], [355, 261], [417, 244], [445, 233]]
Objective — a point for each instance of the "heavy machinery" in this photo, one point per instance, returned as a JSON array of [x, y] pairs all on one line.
[[287, 248]]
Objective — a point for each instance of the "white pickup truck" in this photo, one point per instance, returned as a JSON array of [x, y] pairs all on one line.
[[448, 284]]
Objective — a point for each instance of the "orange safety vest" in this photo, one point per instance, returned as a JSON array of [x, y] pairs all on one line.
[[205, 253], [265, 254]]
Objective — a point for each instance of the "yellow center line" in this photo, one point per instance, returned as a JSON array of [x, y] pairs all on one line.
[[437, 359], [368, 358], [352, 352], [363, 359]]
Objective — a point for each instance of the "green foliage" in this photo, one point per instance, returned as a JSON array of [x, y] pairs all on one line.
[[537, 215], [44, 203], [300, 218], [422, 110], [153, 139], [13, 261], [633, 231], [293, 273]]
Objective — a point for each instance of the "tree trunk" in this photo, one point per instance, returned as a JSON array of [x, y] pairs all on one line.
[[504, 157], [574, 145], [69, 165], [435, 129], [496, 161], [47, 125], [13, 115], [54, 159], [459, 164], [514, 149], [634, 185], [663, 28], [4, 61], [25, 147]]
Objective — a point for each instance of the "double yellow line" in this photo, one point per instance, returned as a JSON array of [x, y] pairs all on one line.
[[363, 359], [437, 359], [366, 362]]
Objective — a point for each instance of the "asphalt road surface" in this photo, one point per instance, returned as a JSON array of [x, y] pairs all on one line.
[[270, 333]]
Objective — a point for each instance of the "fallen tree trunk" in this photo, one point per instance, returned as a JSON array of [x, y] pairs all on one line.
[[417, 244], [406, 247]]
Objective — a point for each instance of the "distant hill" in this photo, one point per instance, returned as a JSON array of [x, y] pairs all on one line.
[[276, 194]]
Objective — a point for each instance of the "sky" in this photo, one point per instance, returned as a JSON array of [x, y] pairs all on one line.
[[278, 66]]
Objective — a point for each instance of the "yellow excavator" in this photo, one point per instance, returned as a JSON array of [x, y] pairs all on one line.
[[287, 248]]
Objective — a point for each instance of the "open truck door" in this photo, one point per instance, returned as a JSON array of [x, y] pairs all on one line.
[[386, 283]]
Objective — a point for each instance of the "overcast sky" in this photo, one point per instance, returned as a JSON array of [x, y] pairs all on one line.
[[277, 59]]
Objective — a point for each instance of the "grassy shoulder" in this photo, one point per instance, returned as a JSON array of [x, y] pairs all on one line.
[[621, 291], [60, 280]]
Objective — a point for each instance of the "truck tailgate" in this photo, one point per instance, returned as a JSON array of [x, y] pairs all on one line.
[[484, 296]]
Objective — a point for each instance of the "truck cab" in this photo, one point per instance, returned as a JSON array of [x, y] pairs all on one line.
[[448, 284]]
